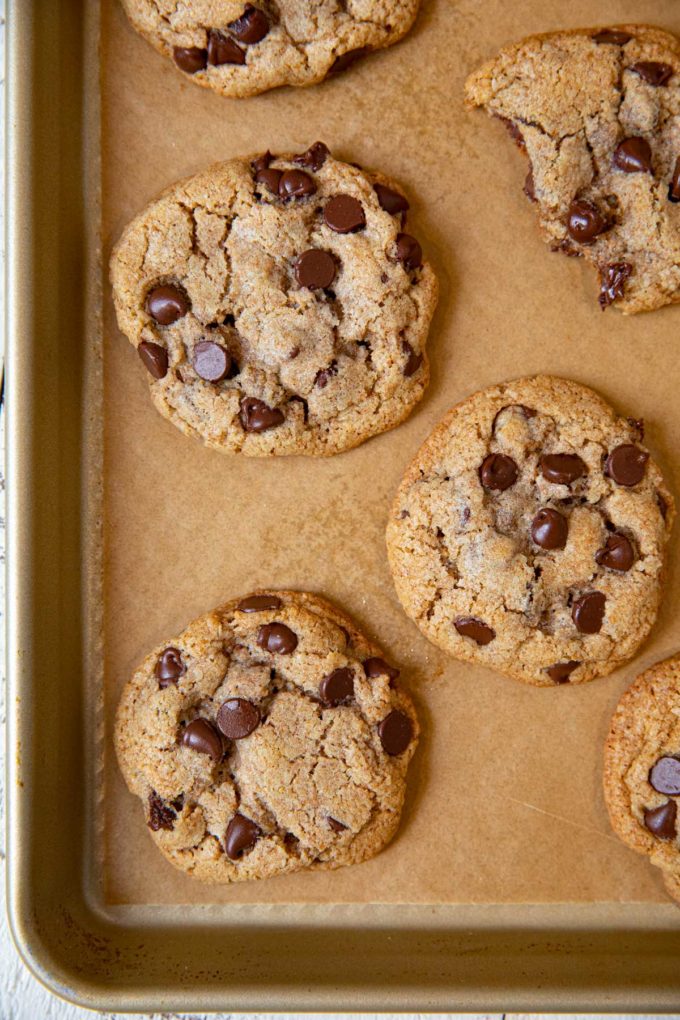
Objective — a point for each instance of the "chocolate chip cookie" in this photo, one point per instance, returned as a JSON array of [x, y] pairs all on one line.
[[597, 113], [642, 769], [529, 533], [278, 304], [270, 736], [241, 49]]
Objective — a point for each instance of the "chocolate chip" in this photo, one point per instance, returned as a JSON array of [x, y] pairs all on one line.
[[514, 132], [561, 468], [200, 735], [477, 630], [674, 186], [161, 815], [661, 821], [345, 60], [190, 59], [395, 732], [242, 834], [498, 472], [561, 671], [223, 50], [315, 156], [587, 612], [154, 358], [256, 416], [335, 825], [549, 529], [617, 553], [344, 214], [389, 200], [169, 667], [652, 71], [626, 464], [529, 188], [612, 280], [295, 184], [378, 667], [585, 221], [315, 269], [613, 36], [211, 361], [251, 27], [337, 687], [413, 360], [262, 162], [409, 252], [271, 178], [166, 304], [633, 156], [291, 842], [237, 718], [664, 775], [277, 638], [322, 377], [259, 603]]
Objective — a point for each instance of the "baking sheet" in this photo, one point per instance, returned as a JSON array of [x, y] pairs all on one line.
[[504, 800]]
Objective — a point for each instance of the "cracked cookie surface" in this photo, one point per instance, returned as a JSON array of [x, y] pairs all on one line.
[[278, 304], [642, 769], [597, 112], [529, 533], [270, 736], [240, 49]]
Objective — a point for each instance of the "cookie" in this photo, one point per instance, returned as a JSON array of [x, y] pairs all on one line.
[[240, 49], [596, 112], [642, 769], [270, 736], [278, 304], [528, 535]]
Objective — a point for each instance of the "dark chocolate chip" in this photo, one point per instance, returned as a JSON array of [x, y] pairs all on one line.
[[324, 375], [200, 735], [409, 252], [561, 671], [389, 200], [613, 36], [344, 214], [315, 156], [587, 612], [661, 821], [337, 687], [477, 630], [161, 815], [395, 732], [652, 71], [270, 177], [633, 156], [585, 221], [664, 775], [315, 269], [296, 184], [291, 842], [262, 162], [242, 834], [549, 529], [256, 416], [166, 304], [335, 825], [529, 188], [251, 27], [612, 280], [190, 59], [345, 60], [498, 472], [211, 361], [674, 186], [626, 464], [617, 553], [378, 667], [169, 667], [561, 468], [237, 718], [277, 638], [259, 603], [223, 50], [413, 360], [514, 132], [154, 358]]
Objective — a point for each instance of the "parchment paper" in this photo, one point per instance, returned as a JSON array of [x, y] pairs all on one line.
[[505, 801]]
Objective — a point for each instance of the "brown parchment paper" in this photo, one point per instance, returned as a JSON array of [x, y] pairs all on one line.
[[505, 802]]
